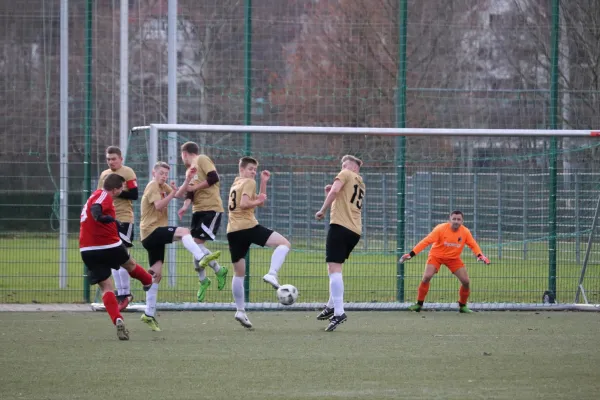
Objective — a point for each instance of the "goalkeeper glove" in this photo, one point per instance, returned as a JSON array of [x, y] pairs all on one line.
[[483, 259], [407, 256]]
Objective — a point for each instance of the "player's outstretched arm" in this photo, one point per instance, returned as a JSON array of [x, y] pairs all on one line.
[[264, 178], [472, 243], [331, 195], [483, 259], [246, 203], [422, 245], [433, 237], [406, 257]]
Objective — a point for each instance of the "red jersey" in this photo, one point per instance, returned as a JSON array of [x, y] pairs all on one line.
[[94, 235]]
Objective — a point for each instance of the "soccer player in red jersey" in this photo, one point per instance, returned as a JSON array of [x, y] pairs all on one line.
[[448, 241], [102, 249], [124, 211]]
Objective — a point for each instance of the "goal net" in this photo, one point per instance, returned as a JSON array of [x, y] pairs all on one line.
[[528, 199]]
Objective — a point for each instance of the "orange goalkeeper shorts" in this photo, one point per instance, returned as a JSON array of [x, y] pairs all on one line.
[[453, 264]]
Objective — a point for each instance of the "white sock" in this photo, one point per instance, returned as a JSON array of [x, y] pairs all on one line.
[[117, 279], [151, 300], [125, 284], [201, 274], [237, 288], [336, 288], [278, 258], [330, 301], [192, 247], [213, 264]]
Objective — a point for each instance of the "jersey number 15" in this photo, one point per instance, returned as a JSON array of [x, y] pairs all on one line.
[[357, 193]]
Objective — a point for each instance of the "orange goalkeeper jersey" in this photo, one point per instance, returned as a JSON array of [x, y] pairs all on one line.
[[447, 243]]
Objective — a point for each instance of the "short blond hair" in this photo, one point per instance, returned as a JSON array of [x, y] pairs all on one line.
[[352, 158], [161, 164]]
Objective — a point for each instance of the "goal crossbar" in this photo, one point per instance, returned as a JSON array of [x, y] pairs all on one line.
[[154, 129], [368, 131]]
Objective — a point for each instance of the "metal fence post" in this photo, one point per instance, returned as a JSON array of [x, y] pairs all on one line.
[[499, 185], [385, 214], [475, 204], [525, 212], [577, 222], [290, 204]]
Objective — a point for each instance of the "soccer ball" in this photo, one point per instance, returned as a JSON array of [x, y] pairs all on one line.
[[287, 294]]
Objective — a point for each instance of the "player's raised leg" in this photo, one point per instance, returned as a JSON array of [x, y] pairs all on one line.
[[282, 247], [204, 227], [190, 245], [220, 271], [204, 281], [137, 272]]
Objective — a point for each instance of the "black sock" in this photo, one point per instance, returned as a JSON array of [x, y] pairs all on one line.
[[420, 303]]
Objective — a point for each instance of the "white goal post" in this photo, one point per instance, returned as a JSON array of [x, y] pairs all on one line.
[[241, 129], [153, 150]]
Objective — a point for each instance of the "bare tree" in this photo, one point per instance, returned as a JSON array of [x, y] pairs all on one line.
[[344, 69], [527, 49]]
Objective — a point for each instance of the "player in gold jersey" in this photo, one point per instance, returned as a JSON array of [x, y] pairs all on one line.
[[345, 197], [243, 230], [155, 233], [124, 209], [204, 189]]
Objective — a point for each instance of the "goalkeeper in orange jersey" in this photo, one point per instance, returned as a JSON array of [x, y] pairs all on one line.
[[448, 241]]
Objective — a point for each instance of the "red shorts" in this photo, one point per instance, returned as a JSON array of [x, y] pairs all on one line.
[[453, 264]]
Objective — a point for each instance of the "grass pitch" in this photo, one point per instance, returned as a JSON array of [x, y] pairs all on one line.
[[383, 355]]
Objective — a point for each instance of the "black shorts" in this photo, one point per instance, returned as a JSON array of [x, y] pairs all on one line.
[[156, 241], [240, 241], [100, 262], [126, 233], [340, 243], [205, 224]]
